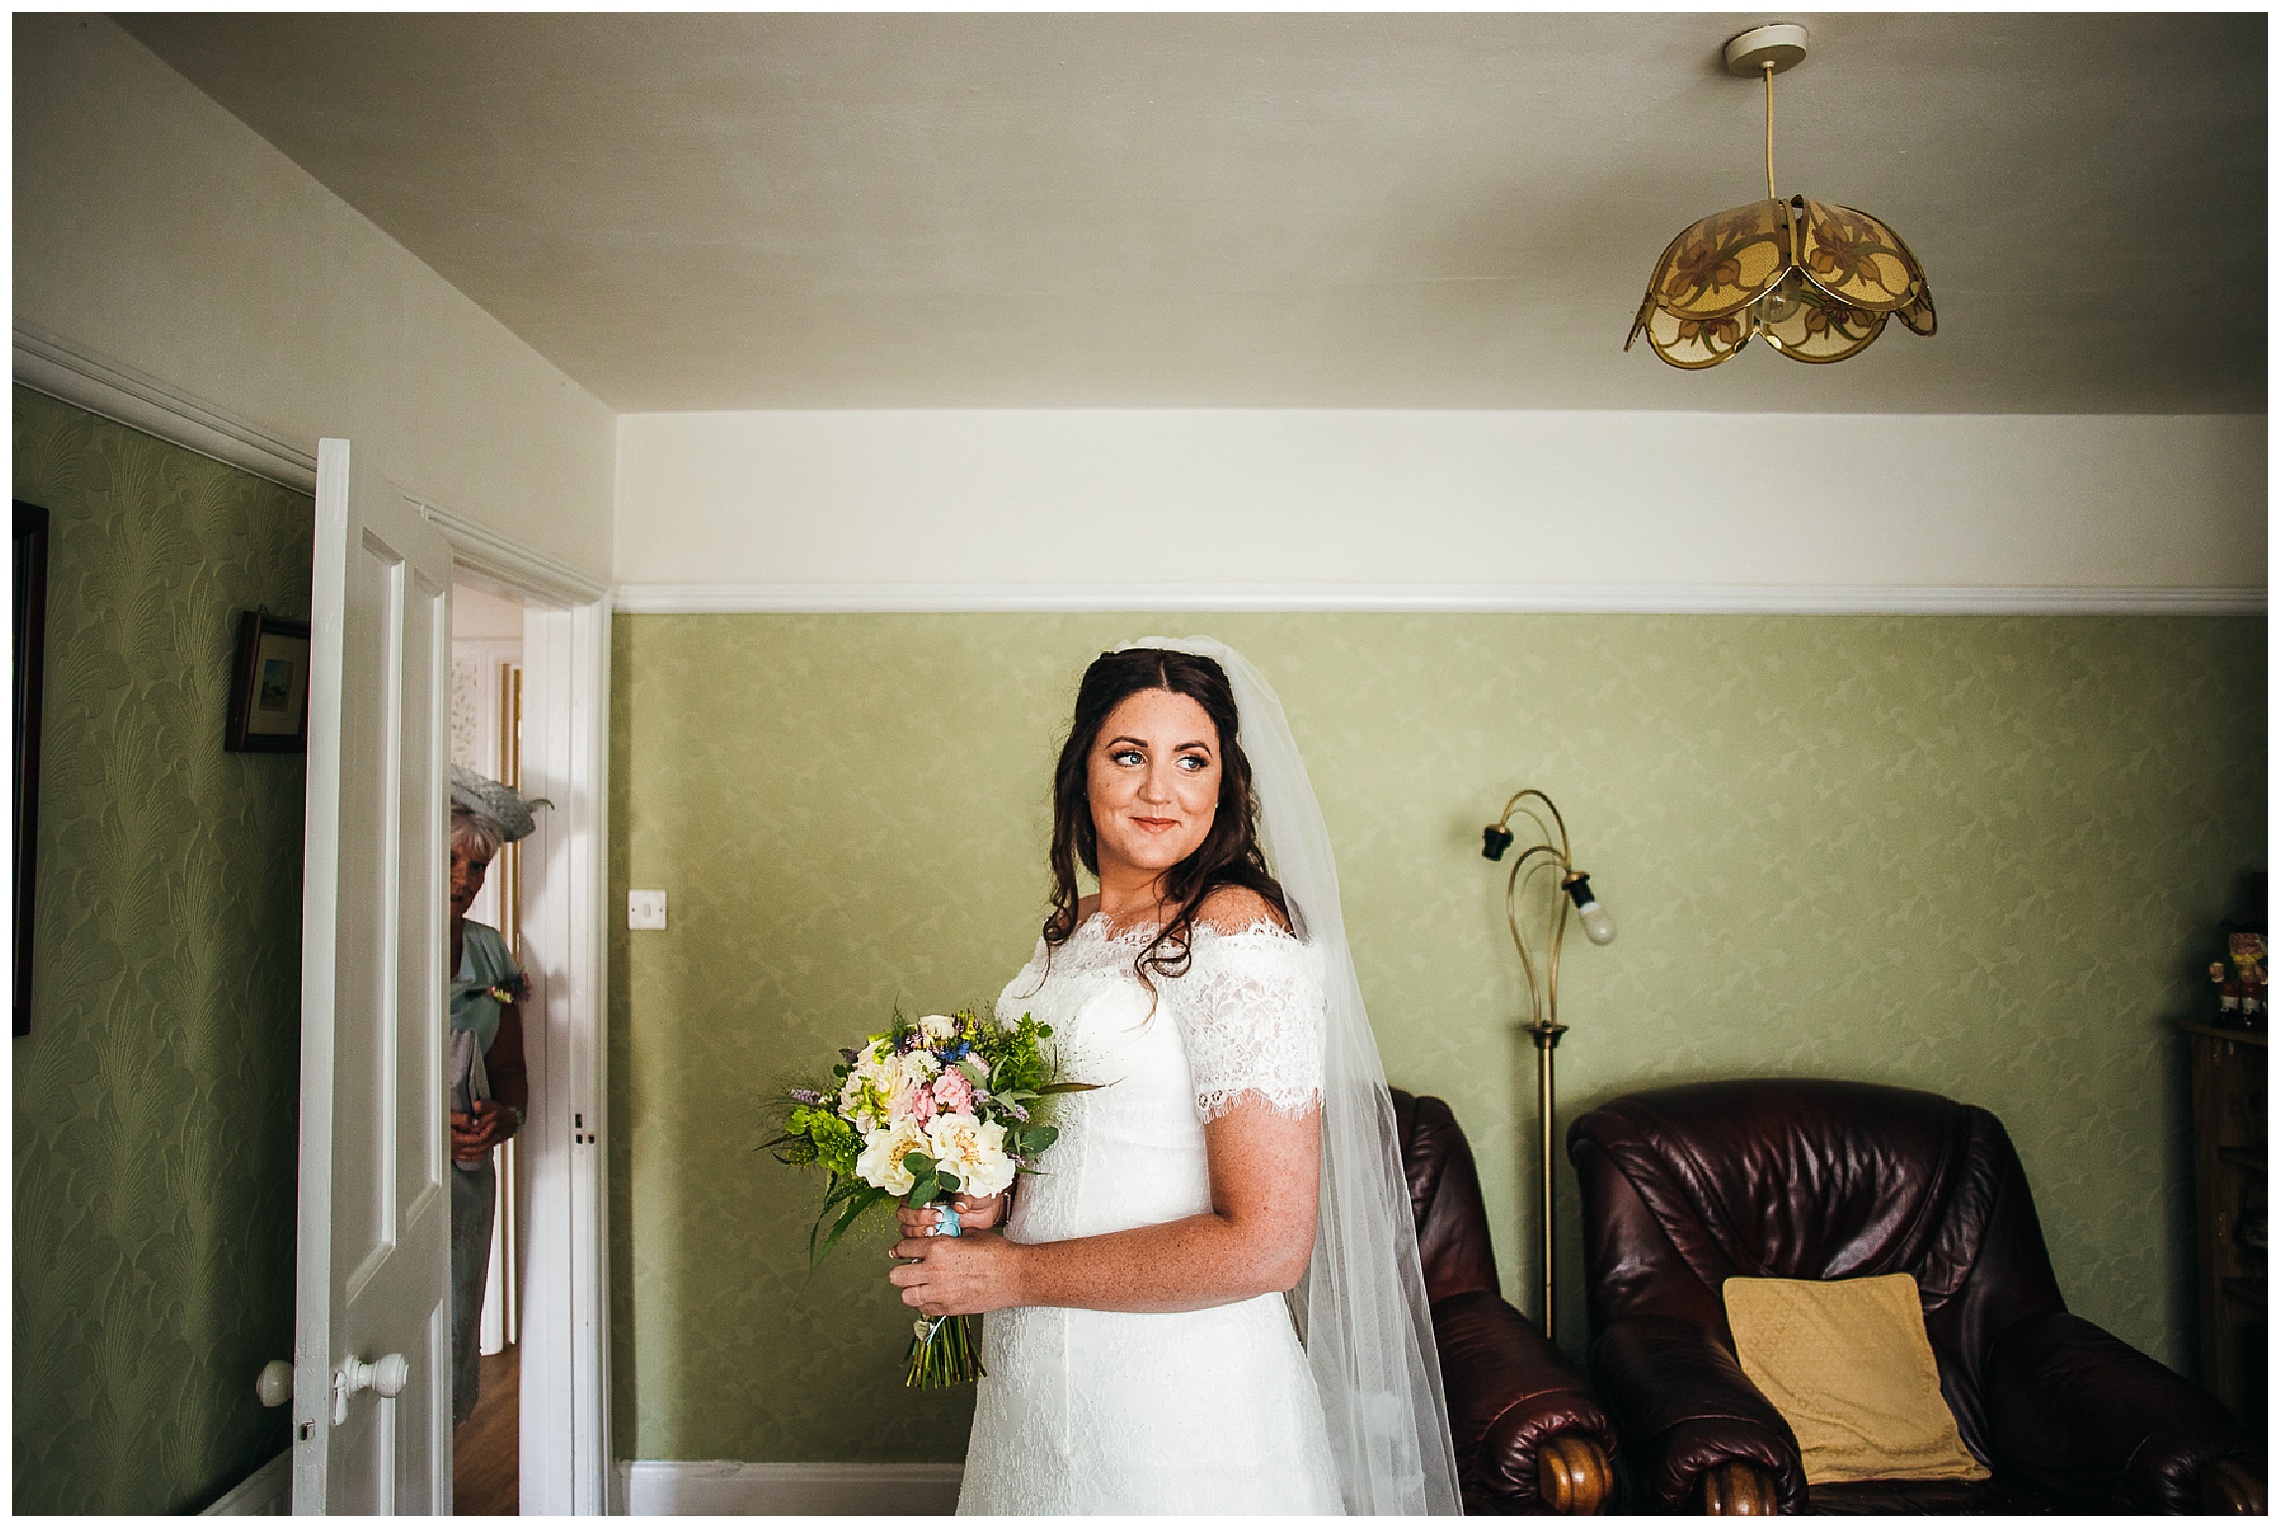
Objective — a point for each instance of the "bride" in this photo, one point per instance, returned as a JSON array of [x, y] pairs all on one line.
[[1208, 1300]]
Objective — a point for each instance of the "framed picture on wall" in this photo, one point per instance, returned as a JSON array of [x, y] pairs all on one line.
[[31, 660], [269, 699]]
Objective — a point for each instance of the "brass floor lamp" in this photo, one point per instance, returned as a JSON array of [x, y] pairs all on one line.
[[1549, 852]]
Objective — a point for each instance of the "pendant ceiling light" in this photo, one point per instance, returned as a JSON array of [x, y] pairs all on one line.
[[1813, 280]]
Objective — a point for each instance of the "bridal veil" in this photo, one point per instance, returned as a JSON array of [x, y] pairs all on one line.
[[1361, 1308]]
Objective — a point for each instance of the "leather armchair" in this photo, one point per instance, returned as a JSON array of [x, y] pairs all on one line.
[[1686, 1187], [1528, 1435]]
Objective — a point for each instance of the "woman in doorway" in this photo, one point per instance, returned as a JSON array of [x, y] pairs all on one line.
[[1209, 1300], [490, 1089]]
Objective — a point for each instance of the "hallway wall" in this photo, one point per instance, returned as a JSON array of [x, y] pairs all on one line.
[[156, 1098]]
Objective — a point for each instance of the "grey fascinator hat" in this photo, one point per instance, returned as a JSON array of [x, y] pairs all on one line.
[[500, 805]]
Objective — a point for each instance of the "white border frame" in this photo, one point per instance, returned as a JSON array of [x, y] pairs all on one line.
[[565, 1411]]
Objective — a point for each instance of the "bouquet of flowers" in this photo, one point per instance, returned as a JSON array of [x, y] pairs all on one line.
[[934, 1107]]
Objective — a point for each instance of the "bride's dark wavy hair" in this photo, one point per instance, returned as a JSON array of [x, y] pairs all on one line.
[[1228, 856]]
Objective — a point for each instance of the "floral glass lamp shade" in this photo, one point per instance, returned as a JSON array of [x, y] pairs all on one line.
[[1815, 281]]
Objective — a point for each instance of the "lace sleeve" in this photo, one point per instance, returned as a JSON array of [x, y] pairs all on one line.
[[1250, 1011]]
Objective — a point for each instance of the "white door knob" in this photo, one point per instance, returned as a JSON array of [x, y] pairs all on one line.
[[388, 1376], [275, 1386]]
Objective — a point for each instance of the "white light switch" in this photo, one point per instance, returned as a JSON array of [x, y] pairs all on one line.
[[645, 909]]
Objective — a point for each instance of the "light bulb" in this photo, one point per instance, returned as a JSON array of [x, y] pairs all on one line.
[[1598, 923]]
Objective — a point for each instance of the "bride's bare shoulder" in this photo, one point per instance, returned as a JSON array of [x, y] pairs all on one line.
[[1087, 906], [1235, 909]]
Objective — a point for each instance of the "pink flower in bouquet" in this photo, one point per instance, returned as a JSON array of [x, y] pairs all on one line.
[[954, 1093], [922, 1106]]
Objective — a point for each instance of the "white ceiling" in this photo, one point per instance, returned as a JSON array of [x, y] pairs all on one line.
[[1217, 210]]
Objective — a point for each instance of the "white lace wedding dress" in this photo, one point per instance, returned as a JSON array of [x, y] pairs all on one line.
[[1190, 1412]]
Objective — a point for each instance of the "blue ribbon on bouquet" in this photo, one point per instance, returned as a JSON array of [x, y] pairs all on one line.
[[946, 1221]]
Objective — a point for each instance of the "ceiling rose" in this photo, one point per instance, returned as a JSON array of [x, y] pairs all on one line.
[[1814, 280]]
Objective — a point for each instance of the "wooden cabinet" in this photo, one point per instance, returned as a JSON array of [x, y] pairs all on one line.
[[2229, 1183]]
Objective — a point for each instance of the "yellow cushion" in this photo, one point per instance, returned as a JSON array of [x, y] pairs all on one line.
[[1847, 1364]]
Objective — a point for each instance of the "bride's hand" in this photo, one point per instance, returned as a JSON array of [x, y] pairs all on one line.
[[968, 1275], [973, 1214]]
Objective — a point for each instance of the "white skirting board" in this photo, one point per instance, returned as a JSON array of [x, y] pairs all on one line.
[[267, 1492], [681, 1488]]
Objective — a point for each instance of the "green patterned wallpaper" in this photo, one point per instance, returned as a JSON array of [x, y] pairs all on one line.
[[1981, 856], [155, 1097]]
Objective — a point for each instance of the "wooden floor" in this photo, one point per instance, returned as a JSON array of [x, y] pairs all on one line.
[[486, 1449]]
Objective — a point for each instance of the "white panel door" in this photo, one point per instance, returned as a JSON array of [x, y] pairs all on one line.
[[372, 1343]]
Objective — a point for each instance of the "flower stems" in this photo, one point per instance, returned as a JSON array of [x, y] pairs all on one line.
[[944, 1353]]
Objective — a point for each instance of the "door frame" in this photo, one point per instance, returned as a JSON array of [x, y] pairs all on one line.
[[566, 1454], [565, 1443]]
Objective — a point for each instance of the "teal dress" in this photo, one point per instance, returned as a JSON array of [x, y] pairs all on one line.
[[485, 965]]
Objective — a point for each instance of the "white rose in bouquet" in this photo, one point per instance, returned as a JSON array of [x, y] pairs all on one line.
[[881, 1164], [910, 1078], [972, 1152], [866, 1098]]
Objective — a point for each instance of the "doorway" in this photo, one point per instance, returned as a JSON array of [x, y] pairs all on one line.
[[547, 1307], [486, 737]]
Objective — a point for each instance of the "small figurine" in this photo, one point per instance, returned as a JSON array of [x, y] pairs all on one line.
[[2228, 993], [2247, 951]]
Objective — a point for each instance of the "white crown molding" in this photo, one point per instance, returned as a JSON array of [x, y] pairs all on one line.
[[1607, 599], [720, 1487], [47, 362], [62, 368], [481, 550]]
